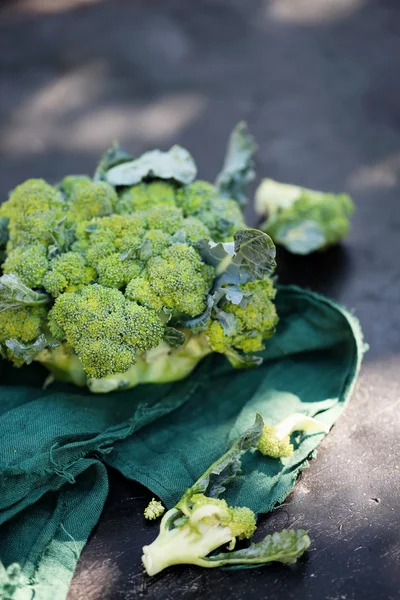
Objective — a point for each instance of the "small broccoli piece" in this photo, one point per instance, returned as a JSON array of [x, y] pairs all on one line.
[[89, 199], [33, 209], [275, 440], [30, 263], [153, 510], [143, 196], [221, 216], [104, 328], [67, 273], [303, 220], [181, 279], [201, 523]]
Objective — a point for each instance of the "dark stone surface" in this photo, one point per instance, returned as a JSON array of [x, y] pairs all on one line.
[[318, 83]]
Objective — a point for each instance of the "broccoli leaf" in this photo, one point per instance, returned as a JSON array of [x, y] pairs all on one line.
[[238, 169], [27, 352], [174, 337], [251, 256], [14, 294], [111, 158], [282, 546], [228, 321], [175, 164], [212, 483], [242, 361]]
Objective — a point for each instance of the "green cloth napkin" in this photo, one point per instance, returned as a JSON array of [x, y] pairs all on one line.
[[55, 443]]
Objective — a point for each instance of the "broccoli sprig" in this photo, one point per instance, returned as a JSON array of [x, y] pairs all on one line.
[[201, 523], [275, 440], [153, 510], [300, 219]]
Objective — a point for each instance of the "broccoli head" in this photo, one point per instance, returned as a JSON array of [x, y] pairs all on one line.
[[303, 220], [136, 274]]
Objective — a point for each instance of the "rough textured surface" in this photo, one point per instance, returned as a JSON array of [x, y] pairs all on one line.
[[318, 84]]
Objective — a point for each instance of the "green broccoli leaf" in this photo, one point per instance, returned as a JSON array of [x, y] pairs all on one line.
[[111, 158], [238, 169], [212, 483], [26, 352], [282, 546], [174, 337], [175, 164], [251, 256], [14, 293], [242, 361]]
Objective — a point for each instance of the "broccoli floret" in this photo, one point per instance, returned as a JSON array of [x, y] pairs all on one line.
[[246, 325], [146, 195], [275, 440], [30, 263], [201, 523], [89, 199], [153, 510], [181, 279], [67, 273], [70, 181], [116, 273], [104, 328], [221, 216], [303, 220], [139, 290], [23, 324], [33, 209]]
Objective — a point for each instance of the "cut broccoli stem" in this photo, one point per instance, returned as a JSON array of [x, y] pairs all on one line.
[[159, 365], [63, 364]]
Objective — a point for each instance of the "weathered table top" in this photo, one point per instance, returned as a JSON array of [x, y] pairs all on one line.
[[318, 83]]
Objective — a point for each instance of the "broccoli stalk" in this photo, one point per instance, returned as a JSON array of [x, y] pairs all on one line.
[[201, 523]]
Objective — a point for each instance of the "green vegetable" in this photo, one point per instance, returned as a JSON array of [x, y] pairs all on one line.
[[303, 220], [275, 440], [12, 581], [201, 523], [136, 275], [153, 510]]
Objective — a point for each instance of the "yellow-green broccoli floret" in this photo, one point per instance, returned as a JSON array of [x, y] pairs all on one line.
[[34, 209], [275, 440], [115, 272], [104, 328], [67, 272], [153, 510], [143, 196], [253, 320], [221, 216], [194, 230], [30, 263], [181, 279], [89, 199], [139, 290], [22, 324], [70, 181], [166, 218]]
